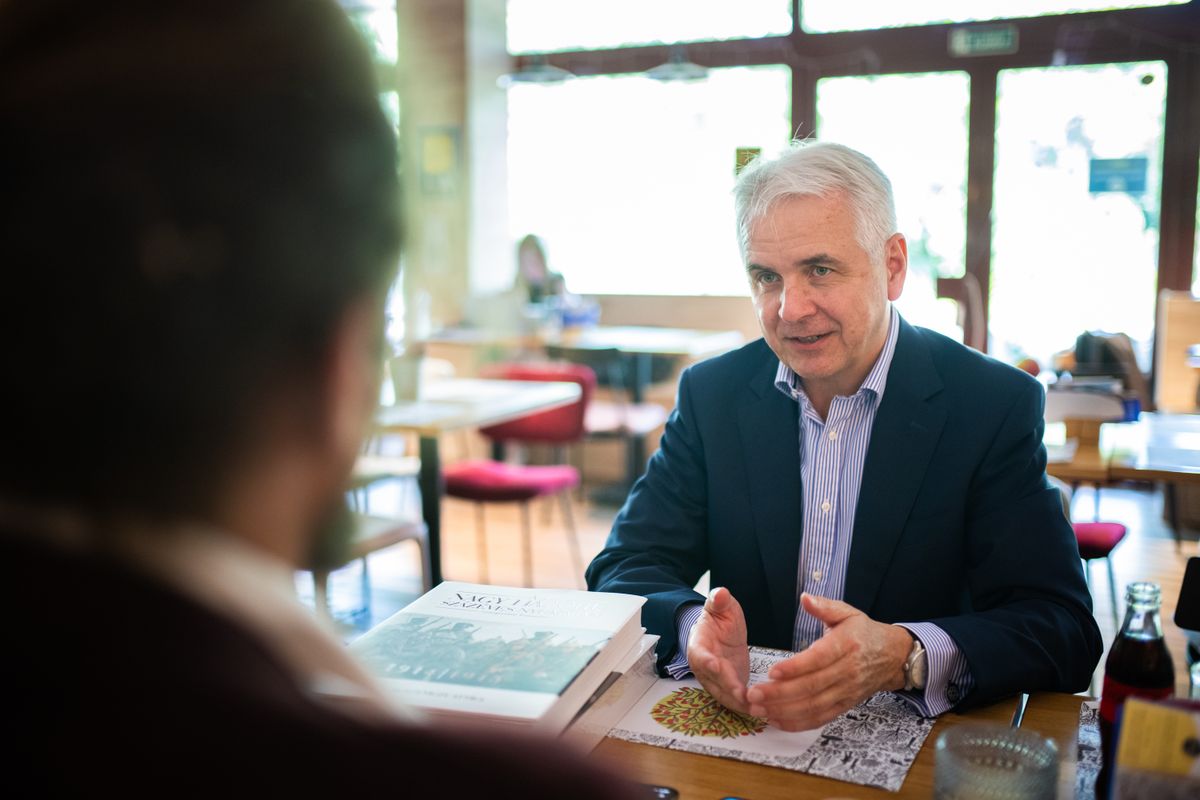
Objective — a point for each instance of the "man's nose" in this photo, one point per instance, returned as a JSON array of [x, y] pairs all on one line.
[[796, 302]]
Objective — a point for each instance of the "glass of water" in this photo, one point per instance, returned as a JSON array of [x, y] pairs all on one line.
[[995, 762]]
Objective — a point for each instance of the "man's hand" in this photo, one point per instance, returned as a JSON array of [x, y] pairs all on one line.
[[856, 658], [717, 651]]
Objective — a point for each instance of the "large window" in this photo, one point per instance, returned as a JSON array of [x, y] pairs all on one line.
[[823, 16], [542, 26], [915, 128], [376, 21], [1075, 216], [628, 180]]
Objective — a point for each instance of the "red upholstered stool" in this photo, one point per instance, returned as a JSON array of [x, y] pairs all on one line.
[[1097, 540], [498, 482], [502, 482]]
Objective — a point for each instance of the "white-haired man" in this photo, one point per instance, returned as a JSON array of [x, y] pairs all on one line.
[[865, 492]]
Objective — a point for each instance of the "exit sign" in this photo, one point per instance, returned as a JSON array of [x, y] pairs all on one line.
[[983, 40]]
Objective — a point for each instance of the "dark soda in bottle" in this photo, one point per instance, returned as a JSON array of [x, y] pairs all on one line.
[[1138, 665]]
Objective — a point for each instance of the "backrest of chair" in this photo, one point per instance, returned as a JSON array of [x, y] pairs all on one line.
[[556, 426], [615, 368], [608, 363]]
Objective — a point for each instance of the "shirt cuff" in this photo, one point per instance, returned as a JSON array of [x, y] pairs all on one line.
[[948, 677], [685, 618]]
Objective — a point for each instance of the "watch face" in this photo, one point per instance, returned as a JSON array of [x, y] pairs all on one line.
[[919, 665], [915, 666]]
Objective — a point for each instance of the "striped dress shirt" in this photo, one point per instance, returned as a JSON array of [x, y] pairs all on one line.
[[833, 452]]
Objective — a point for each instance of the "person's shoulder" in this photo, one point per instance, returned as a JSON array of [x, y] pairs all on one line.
[[740, 364], [966, 367]]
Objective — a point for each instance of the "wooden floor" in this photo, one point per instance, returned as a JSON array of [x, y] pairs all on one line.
[[1148, 553]]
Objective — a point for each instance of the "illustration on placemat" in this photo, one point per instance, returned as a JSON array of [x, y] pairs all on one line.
[[694, 712]]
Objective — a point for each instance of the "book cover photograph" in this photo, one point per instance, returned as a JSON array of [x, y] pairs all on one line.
[[496, 655]]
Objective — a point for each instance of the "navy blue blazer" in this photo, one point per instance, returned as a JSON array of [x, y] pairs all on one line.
[[956, 523]]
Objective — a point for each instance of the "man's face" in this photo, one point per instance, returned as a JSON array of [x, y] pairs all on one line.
[[822, 302]]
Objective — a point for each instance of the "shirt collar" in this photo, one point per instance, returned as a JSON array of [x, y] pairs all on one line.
[[792, 384]]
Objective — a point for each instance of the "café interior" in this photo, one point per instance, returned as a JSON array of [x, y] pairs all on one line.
[[1045, 172]]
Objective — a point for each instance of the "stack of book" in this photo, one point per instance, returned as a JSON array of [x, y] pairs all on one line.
[[527, 657]]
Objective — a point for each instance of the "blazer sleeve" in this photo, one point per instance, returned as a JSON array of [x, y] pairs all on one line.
[[658, 546], [1030, 625]]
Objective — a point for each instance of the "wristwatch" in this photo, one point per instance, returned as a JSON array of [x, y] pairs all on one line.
[[915, 666]]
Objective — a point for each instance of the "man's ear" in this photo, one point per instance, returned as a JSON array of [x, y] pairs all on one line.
[[895, 261], [352, 369]]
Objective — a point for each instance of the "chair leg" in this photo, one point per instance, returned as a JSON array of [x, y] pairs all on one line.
[[365, 584], [572, 535], [426, 566], [481, 544], [527, 543], [1112, 587], [321, 593]]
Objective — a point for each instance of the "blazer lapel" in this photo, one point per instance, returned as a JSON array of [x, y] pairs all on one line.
[[906, 431], [769, 425]]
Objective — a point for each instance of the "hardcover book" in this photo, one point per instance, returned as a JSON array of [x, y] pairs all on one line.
[[510, 655]]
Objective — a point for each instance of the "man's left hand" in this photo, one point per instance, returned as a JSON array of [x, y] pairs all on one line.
[[856, 658]]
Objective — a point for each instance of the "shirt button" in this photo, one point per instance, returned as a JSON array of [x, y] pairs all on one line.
[[825, 506], [816, 574], [833, 436]]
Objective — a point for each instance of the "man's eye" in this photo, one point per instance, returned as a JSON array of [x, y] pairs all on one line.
[[767, 277], [821, 272]]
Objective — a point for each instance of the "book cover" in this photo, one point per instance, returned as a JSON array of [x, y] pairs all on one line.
[[625, 684], [510, 654]]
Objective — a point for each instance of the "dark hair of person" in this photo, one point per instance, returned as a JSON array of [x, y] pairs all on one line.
[[195, 192]]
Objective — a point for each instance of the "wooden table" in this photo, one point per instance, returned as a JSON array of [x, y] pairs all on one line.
[[640, 344], [696, 776], [452, 404], [1157, 447]]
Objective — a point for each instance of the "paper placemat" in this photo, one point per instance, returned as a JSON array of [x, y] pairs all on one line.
[[1088, 750], [873, 744]]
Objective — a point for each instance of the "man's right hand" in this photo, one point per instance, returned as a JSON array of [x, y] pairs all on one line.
[[717, 650]]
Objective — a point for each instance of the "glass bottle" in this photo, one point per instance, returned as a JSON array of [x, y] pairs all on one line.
[[1138, 665]]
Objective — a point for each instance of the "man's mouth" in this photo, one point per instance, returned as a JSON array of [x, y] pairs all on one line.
[[809, 339]]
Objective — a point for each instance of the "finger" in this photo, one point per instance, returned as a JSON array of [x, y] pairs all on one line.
[[720, 679], [722, 604], [830, 612], [717, 600], [812, 712], [769, 697], [823, 654]]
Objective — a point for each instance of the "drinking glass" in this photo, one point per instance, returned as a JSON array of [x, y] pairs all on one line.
[[995, 762]]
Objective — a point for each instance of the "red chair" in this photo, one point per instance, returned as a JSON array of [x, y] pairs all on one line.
[[1097, 540], [495, 481]]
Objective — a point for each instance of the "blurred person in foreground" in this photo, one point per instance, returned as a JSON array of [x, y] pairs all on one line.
[[200, 224], [865, 492]]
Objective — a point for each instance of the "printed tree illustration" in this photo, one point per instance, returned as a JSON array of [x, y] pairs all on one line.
[[694, 712]]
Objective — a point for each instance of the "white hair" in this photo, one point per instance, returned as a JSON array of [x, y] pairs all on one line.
[[822, 169]]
